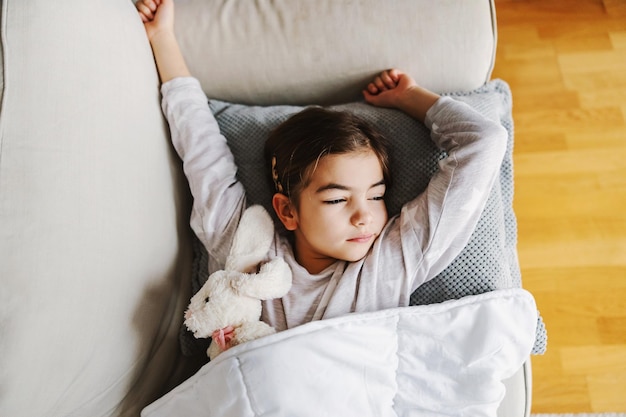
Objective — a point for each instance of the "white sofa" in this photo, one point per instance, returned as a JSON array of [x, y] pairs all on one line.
[[95, 248]]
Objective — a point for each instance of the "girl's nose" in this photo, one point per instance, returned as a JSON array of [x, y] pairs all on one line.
[[362, 216]]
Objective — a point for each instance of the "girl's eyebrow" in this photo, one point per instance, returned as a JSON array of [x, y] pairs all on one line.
[[334, 186]]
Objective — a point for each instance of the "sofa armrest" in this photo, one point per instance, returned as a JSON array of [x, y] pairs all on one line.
[[94, 242]]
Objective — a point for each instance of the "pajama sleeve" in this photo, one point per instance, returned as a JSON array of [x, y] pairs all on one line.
[[437, 225], [218, 197]]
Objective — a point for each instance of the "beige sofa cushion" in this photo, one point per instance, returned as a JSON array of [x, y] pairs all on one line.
[[92, 227], [324, 51]]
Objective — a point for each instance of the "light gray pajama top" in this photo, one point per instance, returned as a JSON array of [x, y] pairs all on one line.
[[413, 247]]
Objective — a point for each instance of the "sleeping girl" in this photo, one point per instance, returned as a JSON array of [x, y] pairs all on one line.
[[330, 172]]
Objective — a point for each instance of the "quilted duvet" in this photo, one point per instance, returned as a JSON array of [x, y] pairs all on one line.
[[434, 360]]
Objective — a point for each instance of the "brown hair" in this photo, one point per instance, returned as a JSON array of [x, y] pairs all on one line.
[[295, 146]]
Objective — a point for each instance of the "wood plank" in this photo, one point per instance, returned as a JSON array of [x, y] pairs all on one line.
[[598, 360], [603, 388]]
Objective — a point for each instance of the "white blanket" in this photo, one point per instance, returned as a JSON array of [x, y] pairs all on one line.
[[435, 360]]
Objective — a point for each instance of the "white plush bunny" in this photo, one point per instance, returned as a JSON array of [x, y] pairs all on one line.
[[228, 306]]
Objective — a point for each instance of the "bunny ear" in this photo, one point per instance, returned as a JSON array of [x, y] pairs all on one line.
[[252, 240]]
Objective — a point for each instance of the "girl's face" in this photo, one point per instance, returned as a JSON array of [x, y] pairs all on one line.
[[341, 211]]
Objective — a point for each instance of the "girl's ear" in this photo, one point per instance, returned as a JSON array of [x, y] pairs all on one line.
[[285, 211]]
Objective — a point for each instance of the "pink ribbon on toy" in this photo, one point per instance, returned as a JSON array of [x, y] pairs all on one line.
[[223, 337]]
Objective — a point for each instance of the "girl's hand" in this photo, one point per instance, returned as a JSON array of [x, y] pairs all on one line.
[[388, 88], [396, 89], [157, 16], [158, 19]]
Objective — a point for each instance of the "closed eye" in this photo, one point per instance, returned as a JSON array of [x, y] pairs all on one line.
[[337, 201]]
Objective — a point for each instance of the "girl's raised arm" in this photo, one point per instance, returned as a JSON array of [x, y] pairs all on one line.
[[438, 223], [158, 18]]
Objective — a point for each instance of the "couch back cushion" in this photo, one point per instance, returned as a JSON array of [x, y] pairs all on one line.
[[324, 51]]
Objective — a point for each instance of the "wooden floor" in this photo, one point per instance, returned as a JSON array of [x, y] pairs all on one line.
[[565, 61]]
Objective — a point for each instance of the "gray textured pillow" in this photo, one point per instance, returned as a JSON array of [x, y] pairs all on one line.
[[489, 261]]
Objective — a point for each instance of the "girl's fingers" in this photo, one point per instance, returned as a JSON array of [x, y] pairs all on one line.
[[369, 96], [378, 82], [394, 74], [149, 4], [144, 11], [387, 80]]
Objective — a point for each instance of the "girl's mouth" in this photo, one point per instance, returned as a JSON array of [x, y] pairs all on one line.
[[361, 239]]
